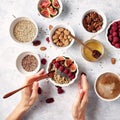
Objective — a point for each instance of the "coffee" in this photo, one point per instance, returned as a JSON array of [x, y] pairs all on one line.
[[108, 85]]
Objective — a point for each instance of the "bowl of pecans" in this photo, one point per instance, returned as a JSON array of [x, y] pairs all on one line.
[[94, 21], [66, 71], [60, 36], [28, 63], [23, 30]]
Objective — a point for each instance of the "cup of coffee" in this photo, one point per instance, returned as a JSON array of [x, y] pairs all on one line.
[[107, 86]]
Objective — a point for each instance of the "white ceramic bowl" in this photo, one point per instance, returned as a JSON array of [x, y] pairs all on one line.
[[107, 34], [64, 85], [19, 61], [51, 18], [107, 100], [64, 26], [104, 21], [14, 22]]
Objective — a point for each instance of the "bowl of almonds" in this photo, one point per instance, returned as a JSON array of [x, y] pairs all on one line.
[[94, 21], [60, 36]]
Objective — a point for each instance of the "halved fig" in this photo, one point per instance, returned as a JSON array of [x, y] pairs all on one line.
[[60, 58], [52, 11], [55, 4], [68, 62], [44, 4], [73, 68], [45, 13]]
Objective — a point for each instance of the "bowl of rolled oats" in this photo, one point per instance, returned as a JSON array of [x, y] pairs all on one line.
[[66, 71], [28, 63], [23, 30], [60, 36]]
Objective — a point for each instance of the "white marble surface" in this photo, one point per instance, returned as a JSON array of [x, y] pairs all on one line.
[[10, 78]]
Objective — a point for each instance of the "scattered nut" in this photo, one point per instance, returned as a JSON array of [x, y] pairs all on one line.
[[43, 48], [113, 60], [50, 27]]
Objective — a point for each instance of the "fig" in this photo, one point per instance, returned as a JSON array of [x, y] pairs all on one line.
[[61, 58], [44, 4], [52, 11], [68, 62], [73, 68], [55, 4], [45, 13]]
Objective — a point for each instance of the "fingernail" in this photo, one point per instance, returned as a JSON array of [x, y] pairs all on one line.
[[81, 91], [82, 73]]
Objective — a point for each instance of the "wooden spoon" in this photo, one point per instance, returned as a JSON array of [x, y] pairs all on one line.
[[95, 53], [48, 75]]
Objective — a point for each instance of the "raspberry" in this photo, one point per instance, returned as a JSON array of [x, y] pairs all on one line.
[[66, 71], [61, 68], [72, 77], [115, 40], [54, 61], [39, 90], [70, 74], [110, 38], [49, 100], [110, 31], [57, 65], [47, 39], [114, 34], [117, 45], [60, 90], [43, 61], [114, 28]]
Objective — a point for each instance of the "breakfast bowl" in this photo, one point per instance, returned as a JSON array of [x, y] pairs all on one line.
[[107, 87], [28, 63], [66, 71], [113, 34], [94, 21], [23, 30], [60, 36], [50, 9]]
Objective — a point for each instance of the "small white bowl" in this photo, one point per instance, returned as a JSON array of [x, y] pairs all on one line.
[[104, 21], [107, 100], [64, 85], [51, 18], [14, 22], [107, 34], [19, 61], [63, 26]]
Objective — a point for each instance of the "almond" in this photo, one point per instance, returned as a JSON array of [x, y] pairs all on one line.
[[113, 60], [43, 48]]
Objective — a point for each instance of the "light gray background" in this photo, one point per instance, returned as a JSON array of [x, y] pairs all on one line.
[[11, 79]]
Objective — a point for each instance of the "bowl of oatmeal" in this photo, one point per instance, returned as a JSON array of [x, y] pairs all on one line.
[[28, 63], [66, 71], [60, 36], [23, 30]]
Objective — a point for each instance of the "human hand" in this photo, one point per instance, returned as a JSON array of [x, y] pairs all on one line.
[[80, 103], [28, 98]]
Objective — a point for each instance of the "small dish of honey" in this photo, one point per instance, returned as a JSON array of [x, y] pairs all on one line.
[[94, 45]]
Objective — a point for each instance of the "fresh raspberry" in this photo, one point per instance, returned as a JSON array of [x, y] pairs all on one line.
[[110, 38], [114, 34], [49, 100], [110, 31], [39, 90], [73, 76], [43, 61], [60, 90], [57, 65], [70, 74], [47, 39], [114, 28], [61, 68], [115, 39], [66, 71], [54, 61], [117, 45]]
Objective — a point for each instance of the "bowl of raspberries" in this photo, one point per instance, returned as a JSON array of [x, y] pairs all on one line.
[[66, 71], [113, 34]]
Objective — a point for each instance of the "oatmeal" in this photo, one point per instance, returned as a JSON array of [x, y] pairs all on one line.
[[65, 69], [29, 63], [24, 31]]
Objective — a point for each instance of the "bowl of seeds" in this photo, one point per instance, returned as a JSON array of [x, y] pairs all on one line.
[[66, 71], [60, 36], [23, 30], [28, 63]]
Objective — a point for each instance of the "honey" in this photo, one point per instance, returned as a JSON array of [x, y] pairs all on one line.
[[94, 45]]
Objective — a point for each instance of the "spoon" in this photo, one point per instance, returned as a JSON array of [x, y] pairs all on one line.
[[48, 75], [95, 53]]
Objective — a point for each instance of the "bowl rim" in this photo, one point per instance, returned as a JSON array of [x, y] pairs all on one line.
[[52, 18], [102, 15], [116, 20], [12, 25], [72, 81], [19, 59], [64, 26], [95, 82], [95, 41]]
